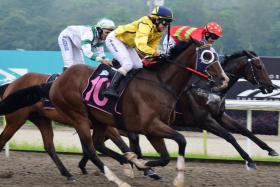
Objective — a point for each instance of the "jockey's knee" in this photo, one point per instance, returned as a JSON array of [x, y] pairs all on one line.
[[125, 68]]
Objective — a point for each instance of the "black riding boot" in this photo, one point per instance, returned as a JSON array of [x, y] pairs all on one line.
[[112, 89]]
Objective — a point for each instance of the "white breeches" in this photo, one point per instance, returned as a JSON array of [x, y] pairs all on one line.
[[127, 56], [70, 53], [166, 48]]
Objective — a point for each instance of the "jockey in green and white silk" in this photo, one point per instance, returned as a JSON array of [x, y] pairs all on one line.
[[76, 40]]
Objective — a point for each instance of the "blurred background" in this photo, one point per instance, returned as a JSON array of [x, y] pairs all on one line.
[[35, 25]]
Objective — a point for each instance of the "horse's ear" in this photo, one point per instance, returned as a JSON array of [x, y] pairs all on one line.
[[253, 53], [248, 54]]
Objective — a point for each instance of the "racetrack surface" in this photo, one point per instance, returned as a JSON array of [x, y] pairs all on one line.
[[37, 169]]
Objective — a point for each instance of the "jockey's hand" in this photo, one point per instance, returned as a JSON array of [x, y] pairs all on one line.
[[107, 62], [157, 53]]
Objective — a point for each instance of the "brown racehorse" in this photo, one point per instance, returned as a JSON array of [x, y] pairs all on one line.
[[42, 118], [202, 108], [168, 82]]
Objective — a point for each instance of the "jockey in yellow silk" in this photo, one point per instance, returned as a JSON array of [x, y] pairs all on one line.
[[141, 36]]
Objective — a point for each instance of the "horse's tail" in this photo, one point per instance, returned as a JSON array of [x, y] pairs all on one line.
[[2, 89], [24, 97]]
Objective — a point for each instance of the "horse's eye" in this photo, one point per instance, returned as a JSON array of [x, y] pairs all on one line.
[[258, 65]]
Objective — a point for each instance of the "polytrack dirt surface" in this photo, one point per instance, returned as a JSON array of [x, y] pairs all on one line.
[[37, 169]]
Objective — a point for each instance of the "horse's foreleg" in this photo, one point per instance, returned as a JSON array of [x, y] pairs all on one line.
[[134, 144], [227, 122], [98, 137], [46, 130], [156, 133], [83, 162], [83, 130], [212, 126], [114, 135]]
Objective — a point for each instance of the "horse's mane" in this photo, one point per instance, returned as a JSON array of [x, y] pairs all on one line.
[[174, 52], [179, 48], [238, 54]]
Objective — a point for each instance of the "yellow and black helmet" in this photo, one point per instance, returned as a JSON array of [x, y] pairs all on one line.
[[162, 12]]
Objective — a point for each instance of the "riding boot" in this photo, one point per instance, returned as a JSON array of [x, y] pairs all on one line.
[[112, 89]]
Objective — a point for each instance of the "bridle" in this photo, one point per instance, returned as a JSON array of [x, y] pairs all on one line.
[[206, 62], [250, 67], [257, 82]]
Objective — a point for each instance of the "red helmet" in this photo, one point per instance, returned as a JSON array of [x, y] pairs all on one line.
[[214, 28]]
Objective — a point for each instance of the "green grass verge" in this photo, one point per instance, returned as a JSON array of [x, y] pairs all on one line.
[[61, 148], [39, 147]]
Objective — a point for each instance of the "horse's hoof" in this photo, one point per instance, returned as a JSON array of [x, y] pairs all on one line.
[[273, 153], [178, 183], [128, 171], [96, 173], [251, 166], [72, 179], [151, 173], [84, 171], [124, 185]]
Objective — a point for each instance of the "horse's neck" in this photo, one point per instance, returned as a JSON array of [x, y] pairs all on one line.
[[232, 73], [174, 75]]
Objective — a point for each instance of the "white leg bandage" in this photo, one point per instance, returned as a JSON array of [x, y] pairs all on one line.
[[112, 177], [128, 171], [140, 163], [179, 180]]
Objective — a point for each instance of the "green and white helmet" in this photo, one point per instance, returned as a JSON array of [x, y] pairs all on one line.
[[105, 23]]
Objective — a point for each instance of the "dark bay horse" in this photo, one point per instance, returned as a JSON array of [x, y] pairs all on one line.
[[81, 120], [204, 109]]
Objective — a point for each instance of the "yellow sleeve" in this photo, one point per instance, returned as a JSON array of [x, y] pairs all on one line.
[[155, 43], [141, 39]]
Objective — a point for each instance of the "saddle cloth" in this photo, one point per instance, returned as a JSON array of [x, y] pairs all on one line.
[[98, 82]]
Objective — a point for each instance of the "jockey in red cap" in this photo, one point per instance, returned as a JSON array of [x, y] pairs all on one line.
[[207, 34]]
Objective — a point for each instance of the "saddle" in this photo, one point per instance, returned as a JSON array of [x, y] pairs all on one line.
[[47, 103]]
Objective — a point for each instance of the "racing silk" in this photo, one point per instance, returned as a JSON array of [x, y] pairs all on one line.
[[184, 33], [141, 34], [87, 39]]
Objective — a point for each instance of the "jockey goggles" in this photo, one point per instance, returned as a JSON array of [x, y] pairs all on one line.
[[213, 36], [165, 22], [107, 31]]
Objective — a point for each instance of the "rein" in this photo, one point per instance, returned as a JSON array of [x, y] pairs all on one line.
[[194, 71]]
